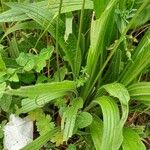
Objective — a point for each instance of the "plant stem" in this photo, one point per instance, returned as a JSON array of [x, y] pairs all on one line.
[[57, 38], [79, 37]]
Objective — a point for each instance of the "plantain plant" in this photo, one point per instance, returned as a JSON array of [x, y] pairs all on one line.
[[80, 70]]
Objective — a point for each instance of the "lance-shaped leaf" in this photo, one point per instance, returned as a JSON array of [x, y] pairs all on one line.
[[112, 135], [69, 118], [31, 25], [140, 91], [118, 91], [99, 29], [40, 94], [13, 14], [40, 141], [96, 131]]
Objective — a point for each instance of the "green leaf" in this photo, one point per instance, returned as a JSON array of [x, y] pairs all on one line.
[[40, 141], [46, 53], [62, 71], [68, 24], [13, 48], [44, 16], [30, 64], [99, 7], [140, 91], [71, 52], [29, 104], [40, 60], [2, 64], [22, 59], [29, 61], [1, 132], [119, 91], [71, 147], [13, 14], [57, 138], [143, 17], [99, 28], [140, 61], [83, 120], [5, 103], [44, 88], [3, 123], [12, 75], [115, 68], [90, 84], [69, 118], [43, 122], [40, 94], [132, 140], [112, 129], [2, 89], [96, 131], [31, 25]]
